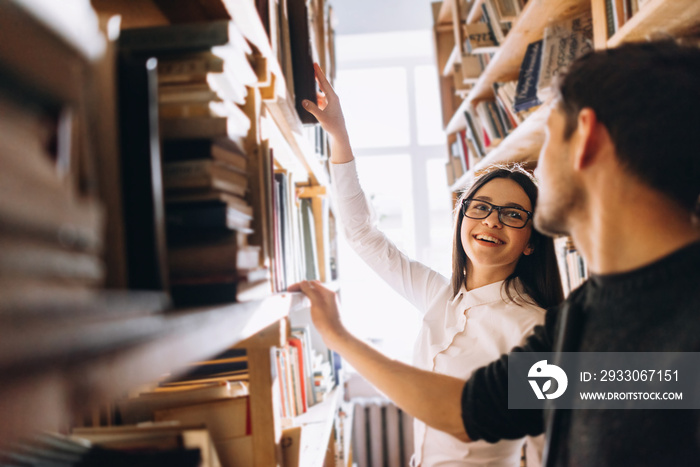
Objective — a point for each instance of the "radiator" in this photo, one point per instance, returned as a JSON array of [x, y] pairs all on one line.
[[382, 434]]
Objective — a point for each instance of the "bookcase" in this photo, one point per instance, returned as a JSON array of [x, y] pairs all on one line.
[[613, 23], [86, 316]]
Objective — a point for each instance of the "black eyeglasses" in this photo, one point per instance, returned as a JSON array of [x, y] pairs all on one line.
[[516, 218]]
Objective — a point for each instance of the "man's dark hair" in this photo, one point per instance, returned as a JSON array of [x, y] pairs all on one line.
[[647, 95]]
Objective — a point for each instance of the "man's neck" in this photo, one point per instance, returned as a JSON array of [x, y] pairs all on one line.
[[623, 235]]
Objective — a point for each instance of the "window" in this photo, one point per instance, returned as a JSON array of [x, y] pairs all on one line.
[[387, 84]]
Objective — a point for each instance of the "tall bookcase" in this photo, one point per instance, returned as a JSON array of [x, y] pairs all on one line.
[[76, 339], [523, 144]]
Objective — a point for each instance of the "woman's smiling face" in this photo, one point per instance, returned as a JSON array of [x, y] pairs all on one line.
[[490, 244]]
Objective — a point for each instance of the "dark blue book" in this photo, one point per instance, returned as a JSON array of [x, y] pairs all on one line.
[[526, 90]]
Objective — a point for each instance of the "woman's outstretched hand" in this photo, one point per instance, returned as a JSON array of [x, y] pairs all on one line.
[[328, 111], [325, 313]]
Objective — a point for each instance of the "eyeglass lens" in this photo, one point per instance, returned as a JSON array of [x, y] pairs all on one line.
[[512, 217]]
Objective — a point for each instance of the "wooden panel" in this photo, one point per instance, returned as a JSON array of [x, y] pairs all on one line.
[[317, 429], [505, 65], [321, 250], [265, 423], [444, 13], [457, 28], [133, 14], [186, 11], [600, 24], [667, 16], [475, 12]]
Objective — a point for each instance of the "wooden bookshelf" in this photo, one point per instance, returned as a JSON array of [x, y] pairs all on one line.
[[317, 424], [522, 145], [55, 370], [505, 65], [675, 17]]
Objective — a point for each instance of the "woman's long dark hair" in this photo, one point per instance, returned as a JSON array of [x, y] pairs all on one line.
[[538, 272]]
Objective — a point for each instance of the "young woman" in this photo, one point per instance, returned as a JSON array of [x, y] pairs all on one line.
[[504, 275]]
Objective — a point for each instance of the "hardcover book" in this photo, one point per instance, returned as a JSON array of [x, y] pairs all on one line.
[[526, 91]]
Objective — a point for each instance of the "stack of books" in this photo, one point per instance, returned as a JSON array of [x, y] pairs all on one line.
[[203, 74]]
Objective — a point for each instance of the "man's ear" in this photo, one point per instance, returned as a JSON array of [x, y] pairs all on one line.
[[585, 137], [529, 249]]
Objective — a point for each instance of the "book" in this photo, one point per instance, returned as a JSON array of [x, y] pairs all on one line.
[[208, 215], [224, 419], [526, 91], [184, 38], [204, 127], [189, 67], [302, 57], [563, 42], [297, 347], [204, 174], [216, 256], [142, 408], [223, 150], [303, 333]]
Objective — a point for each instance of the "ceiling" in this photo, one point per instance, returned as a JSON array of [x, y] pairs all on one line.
[[373, 16]]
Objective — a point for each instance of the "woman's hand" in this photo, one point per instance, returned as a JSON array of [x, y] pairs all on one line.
[[324, 310], [328, 111]]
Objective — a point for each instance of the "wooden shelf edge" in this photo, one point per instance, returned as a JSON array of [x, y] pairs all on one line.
[[475, 12], [316, 429], [522, 145], [99, 378], [445, 14], [285, 117], [671, 16]]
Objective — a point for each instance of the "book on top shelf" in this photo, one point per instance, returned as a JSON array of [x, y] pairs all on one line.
[[302, 56], [563, 42], [526, 91]]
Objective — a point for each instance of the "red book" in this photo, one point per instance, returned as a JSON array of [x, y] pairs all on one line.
[[296, 342]]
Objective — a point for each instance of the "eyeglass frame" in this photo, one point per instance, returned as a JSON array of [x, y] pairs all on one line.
[[467, 201]]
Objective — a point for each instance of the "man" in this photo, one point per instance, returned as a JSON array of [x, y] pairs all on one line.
[[620, 173]]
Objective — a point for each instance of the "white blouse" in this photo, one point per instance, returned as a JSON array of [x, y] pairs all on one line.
[[457, 336]]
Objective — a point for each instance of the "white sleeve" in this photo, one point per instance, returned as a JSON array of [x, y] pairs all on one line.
[[413, 280]]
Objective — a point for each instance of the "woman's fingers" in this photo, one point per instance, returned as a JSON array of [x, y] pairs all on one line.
[[312, 108], [322, 80]]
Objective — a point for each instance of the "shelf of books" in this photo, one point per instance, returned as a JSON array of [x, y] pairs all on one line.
[[161, 188], [636, 20], [498, 121]]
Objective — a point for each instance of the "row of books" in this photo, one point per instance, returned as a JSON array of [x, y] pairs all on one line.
[[572, 266], [563, 42], [489, 122], [204, 72], [302, 241], [618, 12]]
